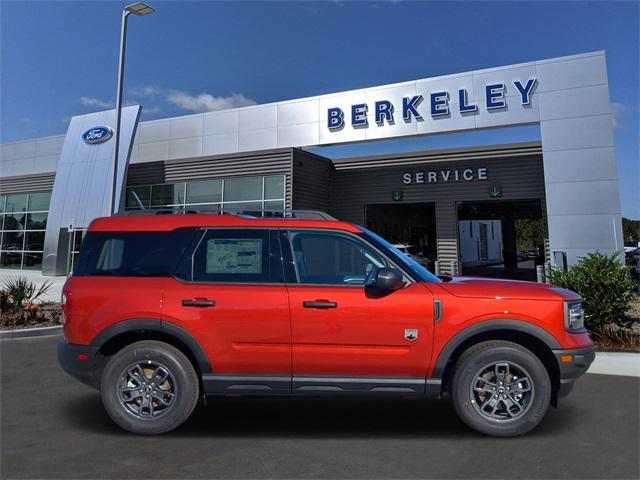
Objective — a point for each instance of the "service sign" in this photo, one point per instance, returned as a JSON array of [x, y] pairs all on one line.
[[97, 135]]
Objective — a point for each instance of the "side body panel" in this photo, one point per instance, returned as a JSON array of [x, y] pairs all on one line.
[[364, 335], [97, 302], [247, 331], [460, 313]]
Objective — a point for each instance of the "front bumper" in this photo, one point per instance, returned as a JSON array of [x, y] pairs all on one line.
[[81, 362], [573, 363]]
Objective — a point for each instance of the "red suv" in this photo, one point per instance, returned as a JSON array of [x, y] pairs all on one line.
[[164, 309]]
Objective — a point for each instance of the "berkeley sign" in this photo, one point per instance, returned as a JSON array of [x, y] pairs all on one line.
[[384, 110]]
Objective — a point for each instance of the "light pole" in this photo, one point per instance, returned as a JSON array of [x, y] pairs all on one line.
[[137, 9]]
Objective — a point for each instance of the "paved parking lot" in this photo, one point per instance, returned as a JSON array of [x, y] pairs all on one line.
[[54, 427]]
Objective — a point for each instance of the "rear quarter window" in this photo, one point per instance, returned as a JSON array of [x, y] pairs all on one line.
[[132, 254]]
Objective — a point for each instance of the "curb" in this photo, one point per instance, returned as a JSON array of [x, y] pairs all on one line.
[[616, 363], [31, 332]]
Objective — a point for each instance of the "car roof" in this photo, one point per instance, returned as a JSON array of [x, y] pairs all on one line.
[[168, 222]]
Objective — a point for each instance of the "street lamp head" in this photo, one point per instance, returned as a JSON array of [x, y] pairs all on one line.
[[139, 9]]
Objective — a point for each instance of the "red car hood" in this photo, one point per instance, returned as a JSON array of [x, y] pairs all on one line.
[[471, 287]]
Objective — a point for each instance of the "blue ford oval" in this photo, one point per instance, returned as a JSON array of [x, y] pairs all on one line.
[[97, 135]]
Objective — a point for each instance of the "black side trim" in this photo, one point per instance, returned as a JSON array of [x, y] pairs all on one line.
[[83, 370], [487, 326], [259, 385], [140, 324], [217, 385], [358, 385], [582, 359]]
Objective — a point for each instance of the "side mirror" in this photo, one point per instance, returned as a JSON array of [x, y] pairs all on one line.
[[388, 279]]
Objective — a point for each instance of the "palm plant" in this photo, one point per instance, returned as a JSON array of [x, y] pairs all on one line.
[[20, 292]]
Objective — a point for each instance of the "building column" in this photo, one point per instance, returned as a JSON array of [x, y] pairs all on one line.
[[447, 234], [509, 244], [581, 180]]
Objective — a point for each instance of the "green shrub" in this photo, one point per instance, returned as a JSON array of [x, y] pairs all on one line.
[[604, 284], [19, 293]]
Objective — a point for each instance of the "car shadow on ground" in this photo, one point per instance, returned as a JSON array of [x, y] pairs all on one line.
[[311, 418]]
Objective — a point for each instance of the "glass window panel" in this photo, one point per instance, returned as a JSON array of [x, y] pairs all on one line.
[[272, 208], [39, 201], [32, 261], [162, 195], [16, 203], [78, 235], [238, 256], [333, 259], [12, 240], [274, 187], [144, 195], [213, 209], [34, 241], [14, 221], [247, 208], [243, 189], [10, 259], [136, 254], [37, 221], [204, 192], [3, 199]]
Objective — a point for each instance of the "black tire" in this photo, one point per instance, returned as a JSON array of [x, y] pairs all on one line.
[[496, 356], [154, 356]]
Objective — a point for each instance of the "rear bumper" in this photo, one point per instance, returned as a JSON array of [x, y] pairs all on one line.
[[80, 361], [573, 363]]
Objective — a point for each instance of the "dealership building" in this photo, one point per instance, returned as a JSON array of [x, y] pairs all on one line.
[[459, 206]]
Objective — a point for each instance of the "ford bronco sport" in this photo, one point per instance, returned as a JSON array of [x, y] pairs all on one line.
[[164, 309]]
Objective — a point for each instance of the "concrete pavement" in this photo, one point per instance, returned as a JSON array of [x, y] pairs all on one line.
[[55, 427]]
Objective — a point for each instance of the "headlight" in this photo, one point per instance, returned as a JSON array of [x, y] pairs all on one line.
[[574, 316]]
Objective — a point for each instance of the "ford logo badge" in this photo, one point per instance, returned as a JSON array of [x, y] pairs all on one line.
[[97, 135]]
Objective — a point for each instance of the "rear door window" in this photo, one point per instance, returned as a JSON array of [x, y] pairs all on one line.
[[238, 256]]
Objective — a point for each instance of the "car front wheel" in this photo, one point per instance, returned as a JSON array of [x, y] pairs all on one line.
[[500, 388], [149, 387]]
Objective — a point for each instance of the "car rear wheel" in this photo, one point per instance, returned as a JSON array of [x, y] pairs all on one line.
[[149, 387], [500, 388]]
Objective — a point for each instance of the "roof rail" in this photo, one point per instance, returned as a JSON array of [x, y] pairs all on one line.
[[215, 210]]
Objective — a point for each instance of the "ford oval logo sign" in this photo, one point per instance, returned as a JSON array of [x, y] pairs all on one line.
[[97, 135]]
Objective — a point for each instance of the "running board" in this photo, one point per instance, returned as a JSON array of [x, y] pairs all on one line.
[[265, 385]]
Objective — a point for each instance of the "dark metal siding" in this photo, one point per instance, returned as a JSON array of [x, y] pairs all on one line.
[[27, 183], [521, 178], [269, 162], [312, 181]]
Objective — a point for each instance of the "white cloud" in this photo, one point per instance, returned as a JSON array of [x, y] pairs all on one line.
[[617, 110], [205, 102], [95, 103], [146, 91]]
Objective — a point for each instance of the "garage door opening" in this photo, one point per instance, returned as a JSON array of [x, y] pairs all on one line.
[[501, 239], [410, 226]]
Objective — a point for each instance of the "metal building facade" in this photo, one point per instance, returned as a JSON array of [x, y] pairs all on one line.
[[572, 171]]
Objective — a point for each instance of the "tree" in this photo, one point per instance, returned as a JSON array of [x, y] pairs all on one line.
[[630, 230]]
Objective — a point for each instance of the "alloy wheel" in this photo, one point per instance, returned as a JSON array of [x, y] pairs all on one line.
[[147, 390], [502, 391]]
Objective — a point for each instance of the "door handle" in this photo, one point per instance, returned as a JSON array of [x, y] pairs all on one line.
[[198, 302], [319, 304]]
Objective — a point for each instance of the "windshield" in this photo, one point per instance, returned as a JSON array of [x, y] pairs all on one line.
[[404, 260]]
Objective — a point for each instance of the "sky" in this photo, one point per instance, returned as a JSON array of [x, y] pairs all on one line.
[[59, 59]]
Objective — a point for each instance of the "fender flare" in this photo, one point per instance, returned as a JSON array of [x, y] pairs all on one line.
[[488, 326], [138, 324]]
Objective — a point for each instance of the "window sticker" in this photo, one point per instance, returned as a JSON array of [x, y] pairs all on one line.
[[234, 255]]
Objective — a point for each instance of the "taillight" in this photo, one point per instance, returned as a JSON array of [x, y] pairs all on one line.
[[63, 305]]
